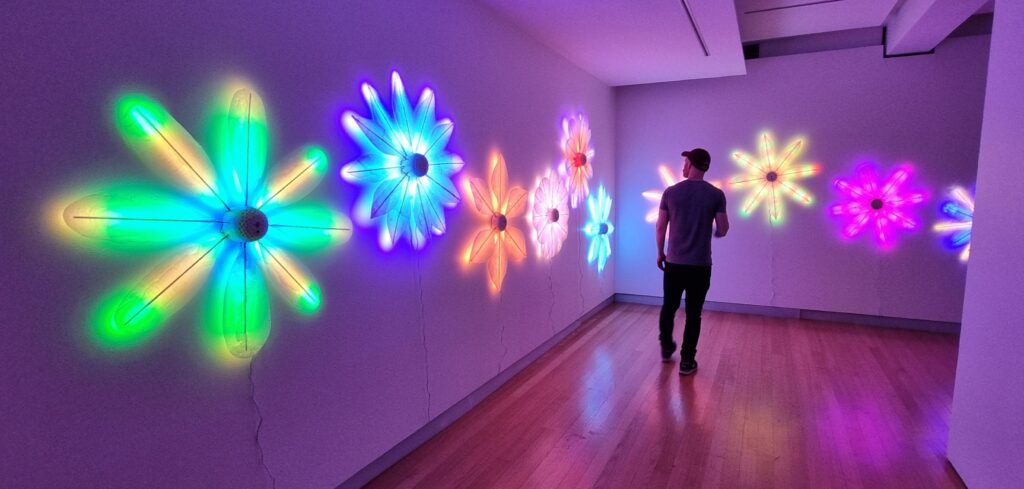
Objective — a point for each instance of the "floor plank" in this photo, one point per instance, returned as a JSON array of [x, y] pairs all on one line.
[[776, 403]]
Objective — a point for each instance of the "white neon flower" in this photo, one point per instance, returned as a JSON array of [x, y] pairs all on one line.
[[550, 215]]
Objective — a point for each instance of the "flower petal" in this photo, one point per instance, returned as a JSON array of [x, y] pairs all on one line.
[[166, 147], [499, 183], [247, 147], [483, 245], [307, 227], [166, 288], [481, 198], [295, 178], [292, 281], [516, 202], [515, 243], [387, 196], [497, 266], [139, 217], [245, 310]]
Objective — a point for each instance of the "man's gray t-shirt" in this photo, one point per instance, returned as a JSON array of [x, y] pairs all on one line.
[[691, 207]]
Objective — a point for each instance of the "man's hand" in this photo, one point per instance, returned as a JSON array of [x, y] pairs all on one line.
[[661, 261]]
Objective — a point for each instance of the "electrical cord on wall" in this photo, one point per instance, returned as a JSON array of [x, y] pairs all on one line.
[[551, 296], [423, 335], [771, 248], [259, 426], [501, 333], [579, 267]]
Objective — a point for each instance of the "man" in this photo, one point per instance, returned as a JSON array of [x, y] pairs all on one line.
[[689, 206]]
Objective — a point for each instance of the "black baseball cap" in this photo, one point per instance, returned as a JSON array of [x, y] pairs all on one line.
[[699, 157]]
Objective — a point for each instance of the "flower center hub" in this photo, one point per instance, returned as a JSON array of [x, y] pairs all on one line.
[[553, 215], [772, 176], [245, 225], [877, 204], [418, 165], [500, 222], [602, 228], [579, 160]]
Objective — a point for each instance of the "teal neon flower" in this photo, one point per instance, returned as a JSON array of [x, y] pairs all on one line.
[[599, 228], [234, 222], [405, 171]]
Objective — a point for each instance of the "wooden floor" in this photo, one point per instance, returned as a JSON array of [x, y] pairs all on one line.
[[777, 403]]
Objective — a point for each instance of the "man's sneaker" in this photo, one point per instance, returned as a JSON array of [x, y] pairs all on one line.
[[687, 367], [666, 353]]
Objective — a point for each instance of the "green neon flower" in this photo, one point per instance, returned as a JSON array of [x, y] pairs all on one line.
[[234, 222]]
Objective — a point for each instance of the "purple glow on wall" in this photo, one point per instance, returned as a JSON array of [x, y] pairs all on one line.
[[884, 208]]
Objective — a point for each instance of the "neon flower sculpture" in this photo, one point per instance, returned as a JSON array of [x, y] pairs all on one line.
[[550, 204], [237, 220], [767, 176], [499, 240], [959, 211], [668, 179], [577, 158], [599, 228], [406, 170], [550, 217], [884, 207]]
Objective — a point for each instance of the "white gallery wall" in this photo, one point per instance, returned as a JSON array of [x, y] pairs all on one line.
[[986, 441]]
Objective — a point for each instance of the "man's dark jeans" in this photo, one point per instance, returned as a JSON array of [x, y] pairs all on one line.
[[695, 281]]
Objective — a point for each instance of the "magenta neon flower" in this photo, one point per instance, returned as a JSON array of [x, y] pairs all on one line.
[[885, 208]]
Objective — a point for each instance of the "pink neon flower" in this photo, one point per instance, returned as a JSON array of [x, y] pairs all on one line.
[[577, 158], [886, 208]]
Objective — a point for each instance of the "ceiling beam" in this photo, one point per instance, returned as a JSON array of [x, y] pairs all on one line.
[[917, 26]]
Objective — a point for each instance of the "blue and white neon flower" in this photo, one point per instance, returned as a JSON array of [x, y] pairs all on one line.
[[959, 213], [405, 170], [599, 227]]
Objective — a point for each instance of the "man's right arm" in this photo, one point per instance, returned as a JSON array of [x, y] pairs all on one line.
[[721, 218], [721, 224]]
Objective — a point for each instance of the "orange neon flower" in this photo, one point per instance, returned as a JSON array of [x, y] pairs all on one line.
[[499, 240]]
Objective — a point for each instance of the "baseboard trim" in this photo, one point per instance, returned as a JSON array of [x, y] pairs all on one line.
[[452, 414], [794, 313]]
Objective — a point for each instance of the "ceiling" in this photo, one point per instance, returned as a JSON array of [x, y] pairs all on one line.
[[772, 19], [628, 42]]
